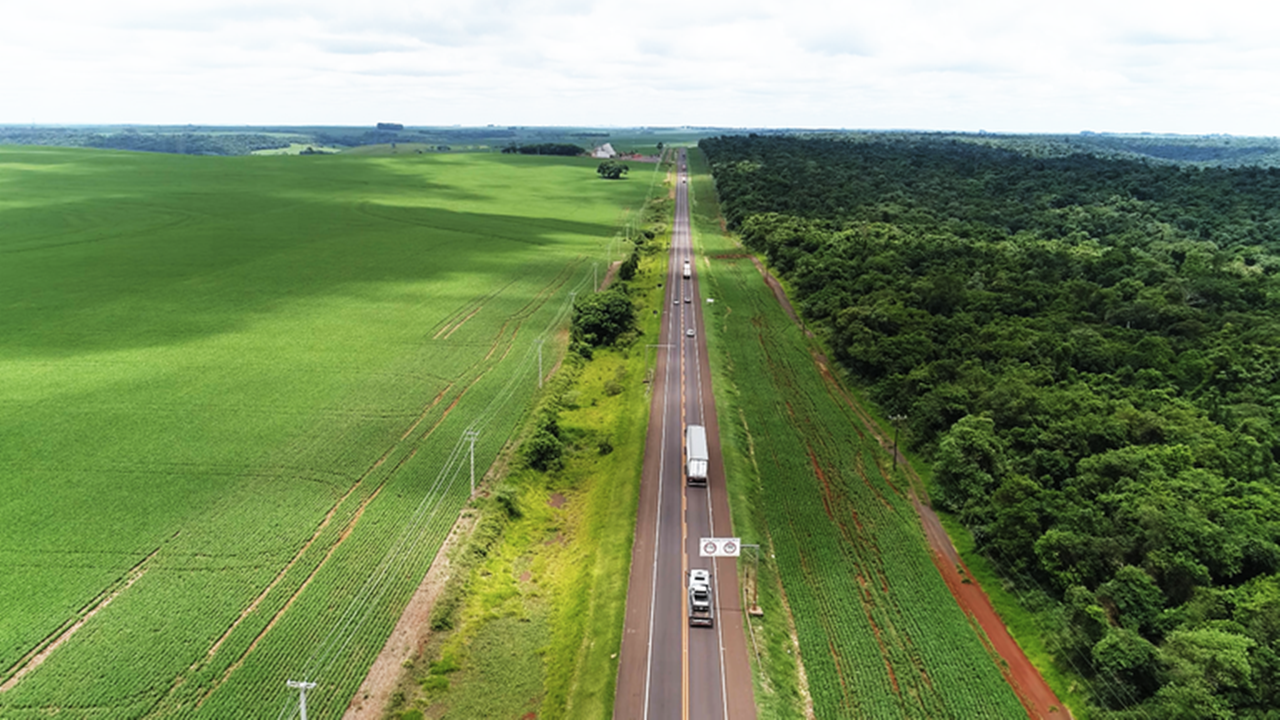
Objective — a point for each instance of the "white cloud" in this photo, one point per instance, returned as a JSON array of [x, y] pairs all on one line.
[[997, 64]]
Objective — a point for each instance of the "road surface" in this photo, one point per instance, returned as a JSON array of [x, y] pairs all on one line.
[[668, 669]]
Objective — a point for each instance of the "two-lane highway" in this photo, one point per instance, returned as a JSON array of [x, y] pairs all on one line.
[[667, 668]]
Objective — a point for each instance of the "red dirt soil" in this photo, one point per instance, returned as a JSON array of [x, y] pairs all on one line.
[[1035, 694]]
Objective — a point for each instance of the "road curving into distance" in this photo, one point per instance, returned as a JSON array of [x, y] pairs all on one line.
[[668, 669]]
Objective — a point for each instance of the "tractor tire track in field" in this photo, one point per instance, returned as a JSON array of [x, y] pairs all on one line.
[[451, 323], [380, 681], [1028, 684], [36, 657], [342, 537], [477, 370], [505, 336]]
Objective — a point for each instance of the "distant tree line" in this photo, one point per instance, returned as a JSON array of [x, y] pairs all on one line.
[[390, 126], [567, 149], [1089, 351], [185, 143]]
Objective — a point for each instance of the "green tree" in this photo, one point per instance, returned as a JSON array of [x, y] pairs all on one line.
[[627, 270], [1128, 661], [971, 459], [610, 170], [1135, 596], [599, 318], [1213, 660]]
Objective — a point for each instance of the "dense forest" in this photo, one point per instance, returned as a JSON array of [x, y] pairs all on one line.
[[1089, 351]]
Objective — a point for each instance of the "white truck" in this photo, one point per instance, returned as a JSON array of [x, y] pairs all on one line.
[[701, 611], [695, 445], [688, 270]]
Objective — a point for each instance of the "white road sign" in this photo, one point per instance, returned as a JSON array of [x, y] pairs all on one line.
[[719, 547]]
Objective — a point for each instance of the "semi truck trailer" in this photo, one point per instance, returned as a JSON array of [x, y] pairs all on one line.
[[696, 450]]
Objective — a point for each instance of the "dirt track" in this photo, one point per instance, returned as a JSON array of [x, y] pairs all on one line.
[[409, 637]]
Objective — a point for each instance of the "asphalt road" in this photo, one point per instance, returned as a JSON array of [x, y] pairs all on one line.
[[668, 669]]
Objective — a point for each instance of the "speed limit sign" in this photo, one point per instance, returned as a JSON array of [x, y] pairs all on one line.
[[719, 547]]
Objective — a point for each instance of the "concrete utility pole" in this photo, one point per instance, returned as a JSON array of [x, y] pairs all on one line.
[[471, 435], [302, 688]]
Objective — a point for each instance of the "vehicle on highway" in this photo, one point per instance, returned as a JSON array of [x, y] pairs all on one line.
[[686, 298], [696, 459], [688, 270], [689, 332], [695, 443], [701, 613]]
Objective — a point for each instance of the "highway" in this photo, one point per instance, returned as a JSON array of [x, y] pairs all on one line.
[[668, 669]]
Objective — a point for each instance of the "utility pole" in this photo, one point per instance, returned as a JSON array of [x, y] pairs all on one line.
[[302, 687], [755, 581], [895, 419], [540, 341], [471, 435], [595, 276]]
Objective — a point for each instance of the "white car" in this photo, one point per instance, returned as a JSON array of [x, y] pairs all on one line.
[[689, 332]]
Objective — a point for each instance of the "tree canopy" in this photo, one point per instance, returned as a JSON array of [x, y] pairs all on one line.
[[599, 318], [611, 170]]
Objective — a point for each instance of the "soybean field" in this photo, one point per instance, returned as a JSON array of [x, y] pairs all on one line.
[[238, 398], [880, 635]]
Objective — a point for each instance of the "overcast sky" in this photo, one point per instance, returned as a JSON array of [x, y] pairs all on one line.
[[997, 65]]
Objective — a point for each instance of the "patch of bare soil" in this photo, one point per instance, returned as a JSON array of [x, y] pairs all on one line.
[[611, 273], [409, 637], [556, 500], [562, 340]]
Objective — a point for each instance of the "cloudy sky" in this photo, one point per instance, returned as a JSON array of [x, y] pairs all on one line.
[[998, 65]]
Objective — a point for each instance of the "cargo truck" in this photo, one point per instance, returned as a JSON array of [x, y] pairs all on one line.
[[701, 613], [688, 270], [696, 449]]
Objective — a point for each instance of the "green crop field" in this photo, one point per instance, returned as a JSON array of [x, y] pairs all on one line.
[[880, 635], [233, 397]]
